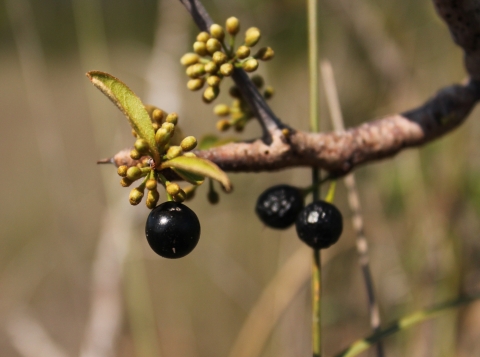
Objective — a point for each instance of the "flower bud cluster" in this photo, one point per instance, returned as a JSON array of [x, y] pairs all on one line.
[[213, 58]]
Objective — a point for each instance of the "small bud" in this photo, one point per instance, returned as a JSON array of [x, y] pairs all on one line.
[[269, 92], [211, 67], [158, 115], [197, 70], [134, 173], [221, 110], [252, 36], [210, 94], [162, 137], [286, 132], [189, 154], [217, 32], [243, 52], [122, 170], [195, 84], [125, 182], [250, 65], [213, 45], [234, 92], [152, 199], [203, 36], [265, 54], [155, 127], [188, 143], [226, 69], [136, 196], [141, 146], [189, 58], [172, 118], [173, 189], [232, 25], [134, 154], [200, 48], [180, 196], [257, 80], [223, 125], [173, 152], [169, 127], [214, 81], [219, 57], [213, 197], [151, 184]]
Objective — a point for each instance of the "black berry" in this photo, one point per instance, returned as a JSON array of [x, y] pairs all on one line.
[[278, 206], [172, 230], [319, 225]]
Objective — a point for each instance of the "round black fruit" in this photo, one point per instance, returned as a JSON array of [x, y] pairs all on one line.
[[319, 225], [172, 230], [278, 206]]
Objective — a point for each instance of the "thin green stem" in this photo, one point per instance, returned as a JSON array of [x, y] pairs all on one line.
[[316, 302], [313, 64]]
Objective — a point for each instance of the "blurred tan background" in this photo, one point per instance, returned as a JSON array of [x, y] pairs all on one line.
[[77, 277]]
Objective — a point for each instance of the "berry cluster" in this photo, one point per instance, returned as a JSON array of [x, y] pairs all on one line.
[[319, 224], [213, 58], [164, 126]]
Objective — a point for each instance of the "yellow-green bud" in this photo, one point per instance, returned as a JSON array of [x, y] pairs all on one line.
[[134, 154], [200, 48], [250, 65], [223, 125], [172, 118], [203, 36], [136, 196], [180, 196], [162, 137], [219, 57], [122, 170], [141, 146], [189, 58], [234, 92], [213, 81], [158, 115], [151, 184], [213, 45], [134, 173], [237, 104], [252, 36], [169, 127], [211, 67], [269, 92], [152, 198], [173, 189], [188, 143], [173, 152], [189, 154], [265, 54], [243, 52], [195, 84], [257, 80], [221, 110], [125, 182], [217, 32], [197, 70], [155, 126], [226, 69], [232, 25], [210, 93]]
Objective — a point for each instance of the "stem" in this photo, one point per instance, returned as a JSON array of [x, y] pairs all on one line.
[[316, 302]]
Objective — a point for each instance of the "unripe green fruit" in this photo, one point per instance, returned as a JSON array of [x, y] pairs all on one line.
[[217, 32], [250, 65], [214, 81], [221, 110], [203, 36], [172, 118], [210, 94], [200, 48], [173, 152], [213, 45], [211, 67], [195, 84], [189, 58], [265, 54], [243, 52], [134, 154], [232, 25], [252, 36], [141, 146], [158, 115], [219, 58], [226, 69], [151, 184], [125, 182], [173, 189], [188, 143], [134, 173], [122, 170], [136, 196]]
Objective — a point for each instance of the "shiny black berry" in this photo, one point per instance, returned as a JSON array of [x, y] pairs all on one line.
[[172, 230], [278, 206], [319, 225]]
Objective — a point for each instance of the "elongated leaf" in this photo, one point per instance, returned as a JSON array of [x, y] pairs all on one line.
[[201, 167], [192, 178], [130, 105]]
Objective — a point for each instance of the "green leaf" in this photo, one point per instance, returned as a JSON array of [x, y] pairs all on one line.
[[199, 166], [192, 178], [130, 105]]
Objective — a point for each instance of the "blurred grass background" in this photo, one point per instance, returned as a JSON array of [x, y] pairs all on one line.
[[76, 274]]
